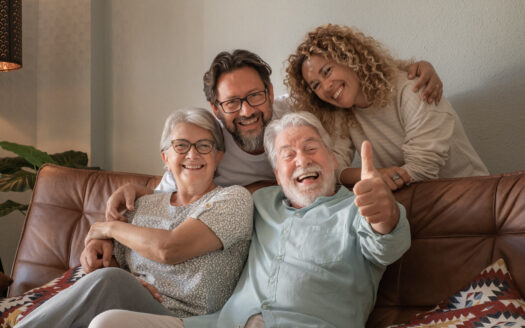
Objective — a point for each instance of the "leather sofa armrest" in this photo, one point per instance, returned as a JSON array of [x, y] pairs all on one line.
[[5, 281]]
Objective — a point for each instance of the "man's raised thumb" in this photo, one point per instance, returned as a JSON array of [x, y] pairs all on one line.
[[367, 161]]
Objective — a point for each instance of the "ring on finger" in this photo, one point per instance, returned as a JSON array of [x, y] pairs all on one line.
[[395, 177]]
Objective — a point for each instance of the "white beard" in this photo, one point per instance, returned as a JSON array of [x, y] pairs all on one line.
[[305, 196]]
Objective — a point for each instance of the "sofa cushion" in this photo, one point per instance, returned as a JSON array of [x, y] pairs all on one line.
[[490, 300], [13, 309]]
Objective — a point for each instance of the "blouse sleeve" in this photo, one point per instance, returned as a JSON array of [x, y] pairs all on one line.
[[229, 214], [428, 132]]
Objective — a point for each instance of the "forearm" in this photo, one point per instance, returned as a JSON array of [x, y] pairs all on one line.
[[253, 187], [385, 249], [404, 64], [148, 242], [388, 225], [350, 175]]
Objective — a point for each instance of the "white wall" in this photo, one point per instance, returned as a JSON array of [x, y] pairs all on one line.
[[102, 75], [160, 50]]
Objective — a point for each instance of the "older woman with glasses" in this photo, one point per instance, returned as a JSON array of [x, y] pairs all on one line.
[[181, 252]]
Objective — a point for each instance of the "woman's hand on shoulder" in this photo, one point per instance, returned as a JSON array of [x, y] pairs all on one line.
[[427, 79], [395, 177], [124, 199]]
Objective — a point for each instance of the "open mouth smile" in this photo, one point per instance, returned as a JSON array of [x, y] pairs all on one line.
[[310, 176], [249, 121], [193, 166], [338, 92]]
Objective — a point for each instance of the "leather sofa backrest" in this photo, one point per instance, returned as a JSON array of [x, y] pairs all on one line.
[[459, 227], [64, 204]]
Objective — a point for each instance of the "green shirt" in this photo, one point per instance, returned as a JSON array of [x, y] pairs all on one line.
[[318, 266]]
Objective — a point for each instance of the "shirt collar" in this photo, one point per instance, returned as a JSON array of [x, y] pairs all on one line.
[[341, 193]]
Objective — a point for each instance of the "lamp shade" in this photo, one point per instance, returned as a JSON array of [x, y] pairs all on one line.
[[10, 34]]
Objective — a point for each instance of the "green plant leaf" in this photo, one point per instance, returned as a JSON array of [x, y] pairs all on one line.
[[9, 165], [9, 206], [19, 181], [29, 153], [71, 158]]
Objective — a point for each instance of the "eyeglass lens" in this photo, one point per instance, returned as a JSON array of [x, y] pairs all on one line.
[[253, 99], [183, 146]]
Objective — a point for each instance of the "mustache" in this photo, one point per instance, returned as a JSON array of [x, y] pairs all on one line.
[[240, 119], [312, 168]]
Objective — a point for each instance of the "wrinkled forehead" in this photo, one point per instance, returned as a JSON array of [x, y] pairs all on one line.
[[239, 82], [296, 136]]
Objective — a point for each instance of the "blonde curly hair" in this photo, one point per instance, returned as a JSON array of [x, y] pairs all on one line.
[[373, 64]]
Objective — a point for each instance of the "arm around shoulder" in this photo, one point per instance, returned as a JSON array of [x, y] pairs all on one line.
[[124, 198], [428, 131]]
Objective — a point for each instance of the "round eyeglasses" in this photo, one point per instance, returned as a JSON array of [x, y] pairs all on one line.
[[253, 99], [183, 146]]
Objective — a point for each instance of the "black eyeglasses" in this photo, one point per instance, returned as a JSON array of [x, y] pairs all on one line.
[[253, 99], [183, 146]]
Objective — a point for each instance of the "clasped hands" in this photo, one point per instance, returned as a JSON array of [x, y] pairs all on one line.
[[98, 253]]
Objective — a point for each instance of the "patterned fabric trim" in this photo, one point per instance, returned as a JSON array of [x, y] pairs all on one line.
[[489, 300], [14, 309]]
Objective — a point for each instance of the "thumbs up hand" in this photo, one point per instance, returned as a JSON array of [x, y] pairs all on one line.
[[373, 197]]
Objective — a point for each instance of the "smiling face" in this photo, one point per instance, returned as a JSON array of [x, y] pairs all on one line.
[[333, 83], [191, 170], [247, 125], [305, 167]]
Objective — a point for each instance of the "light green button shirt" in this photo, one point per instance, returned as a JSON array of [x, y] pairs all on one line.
[[318, 266]]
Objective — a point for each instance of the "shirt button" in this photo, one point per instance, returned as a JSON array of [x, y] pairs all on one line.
[[297, 214], [264, 307], [272, 281], [285, 231], [280, 257], [208, 205]]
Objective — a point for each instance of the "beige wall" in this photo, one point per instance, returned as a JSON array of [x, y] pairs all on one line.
[[101, 76], [46, 103], [159, 55]]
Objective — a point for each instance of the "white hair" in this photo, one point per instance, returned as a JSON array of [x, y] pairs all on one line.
[[198, 116], [294, 119]]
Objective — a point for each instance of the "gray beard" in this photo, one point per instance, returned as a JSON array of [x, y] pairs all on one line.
[[249, 144]]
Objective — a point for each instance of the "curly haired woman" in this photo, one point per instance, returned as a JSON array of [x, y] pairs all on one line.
[[359, 92]]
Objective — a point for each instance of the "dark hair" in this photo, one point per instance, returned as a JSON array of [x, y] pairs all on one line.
[[226, 62]]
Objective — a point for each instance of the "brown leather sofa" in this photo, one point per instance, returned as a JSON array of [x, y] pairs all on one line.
[[459, 226]]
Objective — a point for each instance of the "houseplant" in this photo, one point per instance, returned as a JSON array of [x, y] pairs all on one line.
[[19, 173]]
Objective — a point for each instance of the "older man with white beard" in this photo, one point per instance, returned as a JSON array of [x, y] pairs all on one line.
[[318, 251]]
